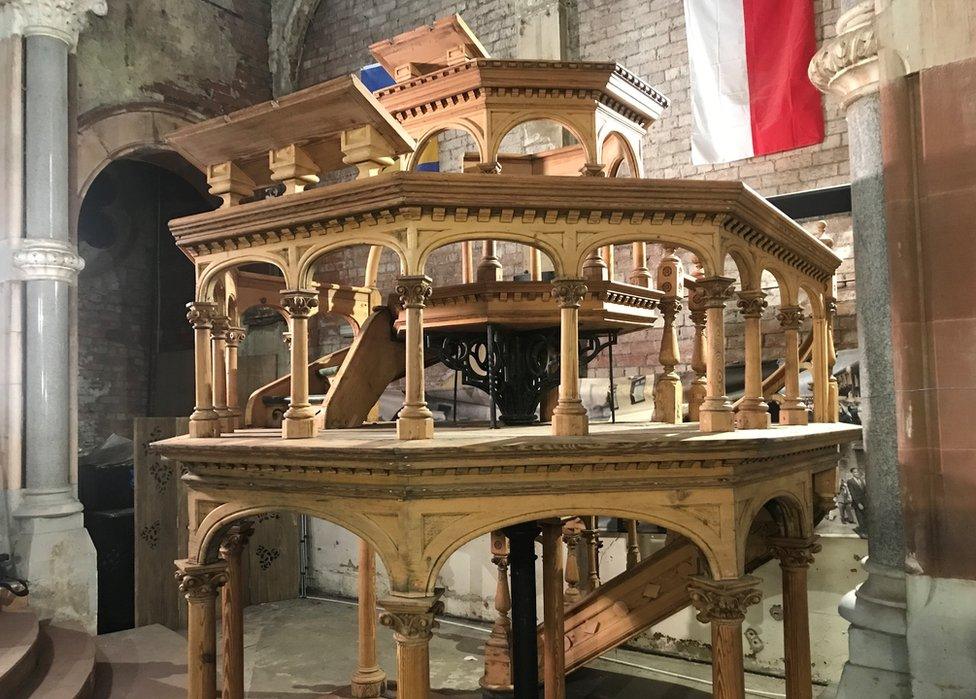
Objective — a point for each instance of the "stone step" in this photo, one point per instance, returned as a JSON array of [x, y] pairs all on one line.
[[65, 665], [19, 633], [147, 662]]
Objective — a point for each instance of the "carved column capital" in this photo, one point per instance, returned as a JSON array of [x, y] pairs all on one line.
[[61, 19], [201, 314], [669, 307], [714, 291], [568, 293], [723, 601], [752, 303], [847, 64], [235, 336], [235, 540], [299, 303], [412, 619], [219, 327], [830, 308], [414, 290], [31, 259], [794, 554], [790, 317], [199, 581]]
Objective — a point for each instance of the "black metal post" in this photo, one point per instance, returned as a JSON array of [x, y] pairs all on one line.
[[455, 395], [613, 393], [491, 376], [525, 644]]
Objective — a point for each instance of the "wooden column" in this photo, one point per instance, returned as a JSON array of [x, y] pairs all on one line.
[[467, 263], [569, 416], [299, 419], [833, 390], [593, 545], [821, 374], [232, 610], [571, 537], [554, 630], [793, 411], [795, 557], [640, 275], [716, 410], [595, 267], [204, 421], [412, 620], [723, 604], [535, 264], [498, 647], [607, 253], [525, 644], [416, 420], [369, 680], [668, 394], [218, 345], [699, 385], [235, 336], [490, 267], [199, 583], [753, 411], [633, 546]]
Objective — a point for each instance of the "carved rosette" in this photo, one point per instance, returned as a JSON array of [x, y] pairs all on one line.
[[62, 19], [235, 336], [219, 327], [790, 317], [236, 540], [414, 291], [569, 293], [41, 259], [201, 314], [300, 304], [200, 582], [410, 626], [723, 601], [847, 64], [752, 303], [794, 554], [714, 291]]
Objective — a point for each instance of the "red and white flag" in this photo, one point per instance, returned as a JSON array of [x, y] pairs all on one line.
[[750, 94]]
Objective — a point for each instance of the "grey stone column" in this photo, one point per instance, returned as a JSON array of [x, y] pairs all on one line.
[[51, 547], [847, 66]]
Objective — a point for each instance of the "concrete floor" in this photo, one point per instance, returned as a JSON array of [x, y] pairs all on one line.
[[307, 648]]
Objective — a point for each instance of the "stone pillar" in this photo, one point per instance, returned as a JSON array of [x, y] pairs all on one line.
[[793, 410], [415, 421], [232, 610], [753, 411], [50, 546], [497, 679], [553, 623], [299, 419], [412, 621], [847, 67], [235, 336], [569, 416], [795, 557], [218, 341], [199, 583], [369, 680], [716, 410], [723, 604]]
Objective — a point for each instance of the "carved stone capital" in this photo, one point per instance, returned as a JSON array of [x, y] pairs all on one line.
[[847, 64], [235, 336], [201, 314], [752, 303], [200, 582], [235, 540], [219, 327], [794, 554], [61, 19], [414, 290], [713, 292], [568, 293], [412, 619], [300, 304], [790, 317], [723, 600], [33, 259]]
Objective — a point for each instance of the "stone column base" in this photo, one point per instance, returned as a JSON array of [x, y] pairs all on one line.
[[57, 558]]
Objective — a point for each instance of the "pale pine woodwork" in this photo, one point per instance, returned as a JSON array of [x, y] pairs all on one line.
[[369, 680]]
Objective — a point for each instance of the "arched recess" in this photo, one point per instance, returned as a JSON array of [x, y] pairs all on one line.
[[784, 281], [582, 130], [666, 236], [618, 156], [550, 252], [471, 128], [745, 264], [305, 276], [212, 274], [793, 516]]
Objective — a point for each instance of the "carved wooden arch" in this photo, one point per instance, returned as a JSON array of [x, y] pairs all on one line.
[[797, 511], [702, 244], [620, 151], [785, 281], [311, 255], [512, 236], [815, 297], [584, 130], [470, 127], [745, 265], [211, 274]]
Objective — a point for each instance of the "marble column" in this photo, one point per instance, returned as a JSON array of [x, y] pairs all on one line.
[[51, 548], [847, 67]]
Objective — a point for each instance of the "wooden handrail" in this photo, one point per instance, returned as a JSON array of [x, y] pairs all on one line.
[[256, 412]]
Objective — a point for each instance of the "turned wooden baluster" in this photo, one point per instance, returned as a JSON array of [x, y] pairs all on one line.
[[232, 610], [607, 253], [640, 275], [633, 545], [218, 340], [535, 264], [415, 420], [833, 392], [490, 267], [793, 410], [699, 385], [498, 647], [668, 399], [369, 680], [235, 336], [299, 420], [467, 263], [593, 545], [569, 417], [753, 411], [715, 414], [571, 537], [595, 267]]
